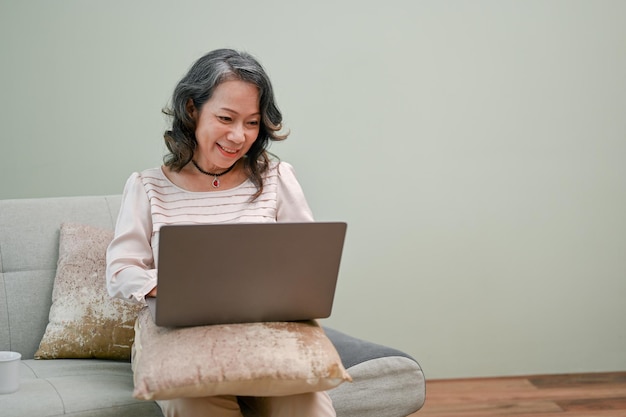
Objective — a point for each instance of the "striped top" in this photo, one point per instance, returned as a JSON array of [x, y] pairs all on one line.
[[150, 200]]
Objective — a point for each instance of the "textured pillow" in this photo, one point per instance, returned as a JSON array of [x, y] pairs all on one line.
[[84, 321], [249, 359]]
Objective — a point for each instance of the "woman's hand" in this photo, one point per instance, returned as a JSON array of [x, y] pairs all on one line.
[[152, 293]]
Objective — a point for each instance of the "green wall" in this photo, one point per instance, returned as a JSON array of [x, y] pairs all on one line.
[[476, 148]]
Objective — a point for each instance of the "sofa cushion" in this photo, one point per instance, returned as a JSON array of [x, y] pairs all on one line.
[[84, 321], [29, 248], [77, 388], [250, 359]]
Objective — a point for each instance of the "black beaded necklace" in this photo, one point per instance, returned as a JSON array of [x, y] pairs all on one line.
[[216, 181]]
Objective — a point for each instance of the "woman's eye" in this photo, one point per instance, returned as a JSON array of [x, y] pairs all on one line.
[[254, 123], [224, 118]]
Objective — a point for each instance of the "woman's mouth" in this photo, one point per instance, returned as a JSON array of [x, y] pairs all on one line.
[[227, 151]]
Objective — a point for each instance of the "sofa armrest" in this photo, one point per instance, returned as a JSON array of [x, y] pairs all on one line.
[[386, 382]]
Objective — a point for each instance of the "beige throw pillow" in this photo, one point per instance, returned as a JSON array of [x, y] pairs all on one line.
[[251, 359], [84, 321]]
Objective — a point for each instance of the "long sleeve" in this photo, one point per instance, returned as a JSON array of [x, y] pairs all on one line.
[[291, 203], [130, 271]]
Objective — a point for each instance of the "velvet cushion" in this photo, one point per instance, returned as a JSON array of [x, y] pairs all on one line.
[[84, 321], [249, 359]]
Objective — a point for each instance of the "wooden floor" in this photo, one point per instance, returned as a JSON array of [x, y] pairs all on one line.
[[576, 395]]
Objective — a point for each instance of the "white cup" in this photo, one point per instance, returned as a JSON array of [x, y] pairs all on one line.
[[9, 372]]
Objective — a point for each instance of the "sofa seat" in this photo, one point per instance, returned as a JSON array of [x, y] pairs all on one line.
[[385, 383], [75, 387]]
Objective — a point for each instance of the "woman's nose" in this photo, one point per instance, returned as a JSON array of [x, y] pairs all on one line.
[[238, 134]]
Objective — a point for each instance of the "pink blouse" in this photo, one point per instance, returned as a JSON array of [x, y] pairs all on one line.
[[151, 200]]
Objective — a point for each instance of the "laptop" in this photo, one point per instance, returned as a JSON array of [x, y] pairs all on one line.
[[246, 272]]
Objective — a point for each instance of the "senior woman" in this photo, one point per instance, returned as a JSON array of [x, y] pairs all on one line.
[[217, 170]]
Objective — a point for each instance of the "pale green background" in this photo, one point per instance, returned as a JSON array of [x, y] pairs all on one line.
[[476, 149]]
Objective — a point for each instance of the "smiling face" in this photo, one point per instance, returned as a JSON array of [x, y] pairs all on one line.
[[226, 125]]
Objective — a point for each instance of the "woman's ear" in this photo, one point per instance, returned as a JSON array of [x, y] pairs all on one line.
[[191, 109]]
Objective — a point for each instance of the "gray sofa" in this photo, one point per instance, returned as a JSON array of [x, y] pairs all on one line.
[[387, 382]]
